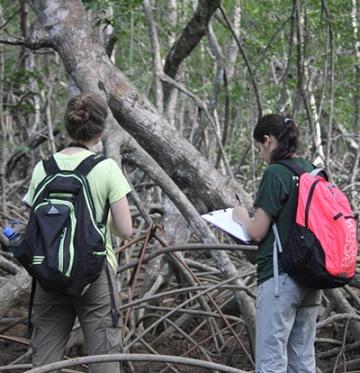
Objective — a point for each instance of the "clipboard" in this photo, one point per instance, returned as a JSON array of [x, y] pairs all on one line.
[[223, 220]]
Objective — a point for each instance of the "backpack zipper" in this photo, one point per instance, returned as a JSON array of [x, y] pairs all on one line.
[[308, 201], [61, 250]]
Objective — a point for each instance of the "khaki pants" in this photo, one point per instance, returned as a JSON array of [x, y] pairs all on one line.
[[54, 316]]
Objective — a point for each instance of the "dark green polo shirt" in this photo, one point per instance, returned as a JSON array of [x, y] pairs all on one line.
[[277, 195]]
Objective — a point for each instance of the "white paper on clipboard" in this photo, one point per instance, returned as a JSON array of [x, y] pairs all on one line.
[[223, 220]]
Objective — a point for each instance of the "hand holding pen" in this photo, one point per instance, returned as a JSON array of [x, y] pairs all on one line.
[[239, 213]]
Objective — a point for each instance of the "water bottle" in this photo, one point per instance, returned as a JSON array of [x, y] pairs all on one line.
[[12, 235], [13, 232]]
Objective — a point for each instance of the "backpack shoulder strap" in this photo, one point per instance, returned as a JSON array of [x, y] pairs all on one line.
[[50, 165], [299, 171], [320, 171], [292, 167], [89, 163], [85, 167]]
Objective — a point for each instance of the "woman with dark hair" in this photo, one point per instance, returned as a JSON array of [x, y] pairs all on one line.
[[53, 313], [286, 312]]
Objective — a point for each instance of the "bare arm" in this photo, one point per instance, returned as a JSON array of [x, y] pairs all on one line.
[[258, 226], [121, 224]]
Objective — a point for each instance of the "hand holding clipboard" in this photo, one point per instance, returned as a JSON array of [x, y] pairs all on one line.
[[223, 220]]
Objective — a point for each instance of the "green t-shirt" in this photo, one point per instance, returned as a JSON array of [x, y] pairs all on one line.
[[106, 181], [277, 195]]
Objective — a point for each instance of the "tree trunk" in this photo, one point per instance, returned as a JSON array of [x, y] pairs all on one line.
[[13, 289], [91, 69], [156, 57]]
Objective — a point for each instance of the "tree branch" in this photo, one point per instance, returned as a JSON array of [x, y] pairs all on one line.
[[247, 62], [36, 41], [136, 357], [191, 36]]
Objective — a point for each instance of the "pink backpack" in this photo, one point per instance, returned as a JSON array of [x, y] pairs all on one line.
[[322, 247]]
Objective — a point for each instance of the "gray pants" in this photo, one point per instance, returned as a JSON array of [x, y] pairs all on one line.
[[286, 327], [54, 316]]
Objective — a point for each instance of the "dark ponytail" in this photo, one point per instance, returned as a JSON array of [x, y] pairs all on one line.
[[283, 129]]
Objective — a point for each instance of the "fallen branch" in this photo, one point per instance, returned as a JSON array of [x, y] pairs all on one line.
[[135, 357], [170, 249]]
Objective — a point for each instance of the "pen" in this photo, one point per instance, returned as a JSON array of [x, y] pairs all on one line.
[[237, 198]]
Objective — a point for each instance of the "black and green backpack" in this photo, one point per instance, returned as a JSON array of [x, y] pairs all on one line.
[[64, 246]]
